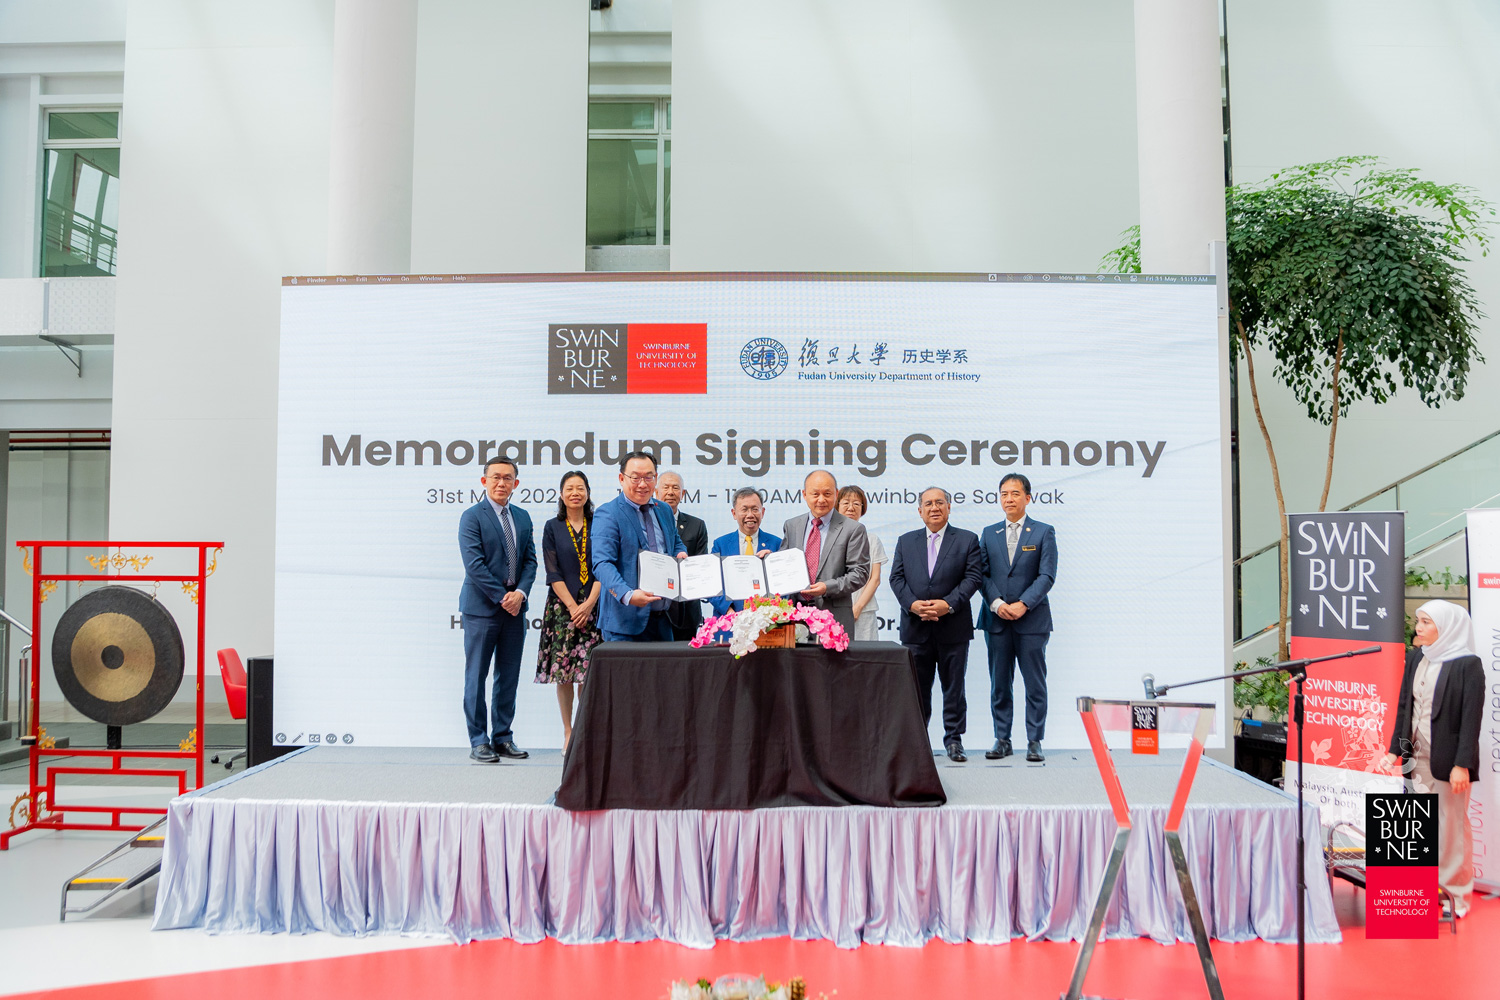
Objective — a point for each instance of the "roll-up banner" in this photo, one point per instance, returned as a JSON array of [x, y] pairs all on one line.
[[1484, 608], [1348, 592]]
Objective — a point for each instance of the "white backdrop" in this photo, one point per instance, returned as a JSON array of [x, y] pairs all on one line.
[[367, 565]]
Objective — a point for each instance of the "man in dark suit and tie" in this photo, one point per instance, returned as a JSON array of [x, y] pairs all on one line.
[[494, 539], [633, 521], [837, 549], [749, 540], [935, 571], [1020, 566], [685, 616]]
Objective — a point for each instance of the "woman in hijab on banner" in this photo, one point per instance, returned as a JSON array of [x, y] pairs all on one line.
[[1437, 734]]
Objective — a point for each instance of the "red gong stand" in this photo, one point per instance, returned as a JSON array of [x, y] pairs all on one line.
[[41, 809]]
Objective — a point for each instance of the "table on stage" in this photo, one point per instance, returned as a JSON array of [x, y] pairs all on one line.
[[665, 726]]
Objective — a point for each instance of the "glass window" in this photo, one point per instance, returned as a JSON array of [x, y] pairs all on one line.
[[622, 192], [83, 125], [616, 115], [80, 193], [629, 174]]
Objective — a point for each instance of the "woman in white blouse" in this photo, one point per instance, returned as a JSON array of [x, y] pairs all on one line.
[[1437, 734], [853, 503]]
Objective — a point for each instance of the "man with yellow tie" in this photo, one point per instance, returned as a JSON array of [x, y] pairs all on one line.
[[749, 540]]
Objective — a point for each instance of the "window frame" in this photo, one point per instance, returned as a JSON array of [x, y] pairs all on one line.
[[46, 111], [663, 135]]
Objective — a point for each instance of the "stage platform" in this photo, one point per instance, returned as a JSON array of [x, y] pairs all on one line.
[[358, 841]]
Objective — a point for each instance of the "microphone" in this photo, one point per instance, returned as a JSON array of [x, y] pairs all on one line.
[[1149, 680], [1364, 652]]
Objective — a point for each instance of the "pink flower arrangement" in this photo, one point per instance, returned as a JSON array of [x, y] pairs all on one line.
[[764, 613]]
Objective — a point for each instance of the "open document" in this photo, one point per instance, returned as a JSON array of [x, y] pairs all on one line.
[[696, 578], [783, 572]]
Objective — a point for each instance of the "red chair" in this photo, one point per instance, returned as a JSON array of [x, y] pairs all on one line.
[[235, 682]]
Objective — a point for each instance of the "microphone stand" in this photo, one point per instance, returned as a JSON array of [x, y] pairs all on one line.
[[1296, 671]]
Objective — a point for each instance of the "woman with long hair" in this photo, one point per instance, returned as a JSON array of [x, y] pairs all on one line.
[[570, 629]]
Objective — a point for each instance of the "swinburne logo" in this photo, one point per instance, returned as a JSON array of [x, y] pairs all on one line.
[[1489, 579], [603, 358]]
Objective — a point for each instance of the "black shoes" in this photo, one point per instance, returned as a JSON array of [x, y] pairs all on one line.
[[956, 752], [509, 749], [484, 754], [1002, 749]]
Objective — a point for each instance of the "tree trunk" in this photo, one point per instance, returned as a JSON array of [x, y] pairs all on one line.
[[1281, 564], [1333, 429]]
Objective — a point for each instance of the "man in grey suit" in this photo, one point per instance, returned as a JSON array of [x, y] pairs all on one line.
[[837, 549]]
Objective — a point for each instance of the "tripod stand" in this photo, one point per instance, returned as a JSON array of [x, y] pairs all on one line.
[[1296, 671]]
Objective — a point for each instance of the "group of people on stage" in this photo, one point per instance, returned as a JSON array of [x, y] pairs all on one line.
[[590, 559], [591, 562]]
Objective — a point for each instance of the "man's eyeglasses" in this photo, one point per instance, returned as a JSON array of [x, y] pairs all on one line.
[[504, 479], [650, 477]]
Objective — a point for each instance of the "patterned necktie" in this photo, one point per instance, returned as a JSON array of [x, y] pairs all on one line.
[[1012, 536], [932, 543], [749, 546], [648, 519], [814, 548], [510, 545]]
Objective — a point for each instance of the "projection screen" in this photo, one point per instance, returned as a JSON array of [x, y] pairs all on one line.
[[1106, 390]]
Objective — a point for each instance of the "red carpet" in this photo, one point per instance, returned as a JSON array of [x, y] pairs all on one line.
[[1451, 966]]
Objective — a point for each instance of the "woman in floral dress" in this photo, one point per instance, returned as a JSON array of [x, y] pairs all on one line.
[[570, 628]]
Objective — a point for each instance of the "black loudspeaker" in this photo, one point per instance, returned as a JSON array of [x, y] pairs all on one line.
[[260, 738]]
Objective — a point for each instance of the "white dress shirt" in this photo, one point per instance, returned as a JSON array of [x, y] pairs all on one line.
[[1020, 530]]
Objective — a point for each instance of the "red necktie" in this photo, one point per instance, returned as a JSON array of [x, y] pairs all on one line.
[[814, 549]]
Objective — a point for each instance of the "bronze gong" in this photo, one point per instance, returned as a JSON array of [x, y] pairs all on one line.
[[117, 655]]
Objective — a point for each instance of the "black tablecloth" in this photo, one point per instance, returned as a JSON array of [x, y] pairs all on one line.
[[665, 726]]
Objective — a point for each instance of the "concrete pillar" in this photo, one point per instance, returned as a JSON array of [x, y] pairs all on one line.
[[370, 156], [1180, 133]]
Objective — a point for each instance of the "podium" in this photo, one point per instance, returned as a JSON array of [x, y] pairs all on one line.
[[1197, 718]]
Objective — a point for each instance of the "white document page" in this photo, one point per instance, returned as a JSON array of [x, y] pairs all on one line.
[[658, 575], [744, 578], [786, 572], [701, 578]]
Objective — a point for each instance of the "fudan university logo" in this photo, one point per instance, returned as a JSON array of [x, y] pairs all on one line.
[[613, 358]]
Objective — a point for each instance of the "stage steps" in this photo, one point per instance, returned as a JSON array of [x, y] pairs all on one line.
[[121, 869]]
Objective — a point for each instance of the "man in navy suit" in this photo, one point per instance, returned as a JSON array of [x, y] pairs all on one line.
[[935, 571], [622, 528], [1020, 566], [749, 540], [494, 539]]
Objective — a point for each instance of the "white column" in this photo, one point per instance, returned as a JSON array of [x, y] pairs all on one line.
[[370, 155], [1180, 133]]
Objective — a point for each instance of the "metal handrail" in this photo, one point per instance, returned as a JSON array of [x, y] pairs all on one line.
[[7, 622], [1385, 489], [12, 621]]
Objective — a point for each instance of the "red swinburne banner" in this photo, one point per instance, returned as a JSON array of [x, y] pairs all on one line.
[[1401, 868], [1348, 592]]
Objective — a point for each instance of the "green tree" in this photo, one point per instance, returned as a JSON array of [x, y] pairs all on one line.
[[1349, 274]]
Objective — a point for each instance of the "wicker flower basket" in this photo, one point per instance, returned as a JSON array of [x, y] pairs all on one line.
[[781, 637]]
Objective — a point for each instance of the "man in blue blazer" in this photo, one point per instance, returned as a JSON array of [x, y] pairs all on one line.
[[935, 571], [633, 521], [494, 539], [749, 540], [1020, 566]]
